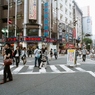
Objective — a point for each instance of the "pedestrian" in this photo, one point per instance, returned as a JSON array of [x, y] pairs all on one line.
[[55, 53], [51, 53], [17, 55], [46, 54], [7, 71], [79, 52], [3, 51], [84, 52], [29, 52], [43, 59], [23, 55], [37, 55], [92, 53]]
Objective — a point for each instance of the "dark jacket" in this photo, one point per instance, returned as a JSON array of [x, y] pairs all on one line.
[[15, 52]]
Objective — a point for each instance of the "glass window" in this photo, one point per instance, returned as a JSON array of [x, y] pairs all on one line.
[[32, 32]]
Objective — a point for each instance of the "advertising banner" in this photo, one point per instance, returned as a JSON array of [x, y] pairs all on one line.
[[33, 9], [46, 18], [71, 57]]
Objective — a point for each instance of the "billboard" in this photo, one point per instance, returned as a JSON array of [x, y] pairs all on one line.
[[46, 18], [32, 9]]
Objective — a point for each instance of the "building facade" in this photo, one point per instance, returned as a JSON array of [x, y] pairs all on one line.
[[87, 21], [78, 21], [47, 21]]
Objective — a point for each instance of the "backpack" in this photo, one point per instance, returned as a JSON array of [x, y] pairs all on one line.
[[43, 58]]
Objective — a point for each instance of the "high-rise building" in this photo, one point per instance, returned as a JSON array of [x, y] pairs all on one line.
[[87, 21]]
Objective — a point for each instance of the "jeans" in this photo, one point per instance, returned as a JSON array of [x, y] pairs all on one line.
[[47, 61], [17, 59], [36, 61]]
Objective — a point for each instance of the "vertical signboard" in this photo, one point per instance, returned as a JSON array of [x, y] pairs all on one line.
[[33, 9], [71, 57], [46, 18], [74, 33]]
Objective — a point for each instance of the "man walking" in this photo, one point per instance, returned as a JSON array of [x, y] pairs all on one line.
[[17, 55], [36, 53]]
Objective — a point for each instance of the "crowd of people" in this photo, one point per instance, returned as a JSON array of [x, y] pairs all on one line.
[[82, 53], [40, 55]]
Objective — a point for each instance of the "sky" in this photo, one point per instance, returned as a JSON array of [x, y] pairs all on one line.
[[90, 3]]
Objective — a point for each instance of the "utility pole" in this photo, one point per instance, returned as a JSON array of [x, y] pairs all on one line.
[[8, 17], [57, 46]]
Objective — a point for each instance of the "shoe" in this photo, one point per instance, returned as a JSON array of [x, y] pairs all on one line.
[[2, 82], [10, 79]]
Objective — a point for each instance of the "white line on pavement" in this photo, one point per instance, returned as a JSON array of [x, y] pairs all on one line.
[[17, 70], [92, 73], [80, 69], [66, 68], [54, 69], [42, 70]]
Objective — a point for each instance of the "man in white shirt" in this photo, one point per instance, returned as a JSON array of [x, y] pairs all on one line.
[[36, 53], [84, 52]]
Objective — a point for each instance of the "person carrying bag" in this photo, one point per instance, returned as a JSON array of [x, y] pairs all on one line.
[[7, 63]]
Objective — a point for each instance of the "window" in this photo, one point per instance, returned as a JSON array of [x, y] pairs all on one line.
[[69, 6], [19, 2], [66, 20], [61, 7], [70, 14], [66, 11], [66, 2], [61, 17]]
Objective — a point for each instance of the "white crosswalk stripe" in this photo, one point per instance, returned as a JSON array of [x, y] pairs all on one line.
[[54, 69], [66, 68], [30, 69], [80, 69], [17, 70]]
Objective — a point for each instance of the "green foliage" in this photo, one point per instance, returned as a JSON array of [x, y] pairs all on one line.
[[88, 42]]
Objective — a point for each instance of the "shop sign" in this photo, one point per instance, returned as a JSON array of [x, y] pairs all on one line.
[[32, 38], [11, 39]]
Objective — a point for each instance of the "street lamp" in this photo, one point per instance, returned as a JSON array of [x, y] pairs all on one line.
[[5, 31]]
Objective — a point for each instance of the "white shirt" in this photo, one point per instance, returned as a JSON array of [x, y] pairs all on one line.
[[36, 52]]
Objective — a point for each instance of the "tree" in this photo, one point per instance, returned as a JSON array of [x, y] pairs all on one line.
[[88, 42]]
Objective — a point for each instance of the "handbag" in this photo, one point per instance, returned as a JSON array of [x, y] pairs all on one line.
[[8, 61]]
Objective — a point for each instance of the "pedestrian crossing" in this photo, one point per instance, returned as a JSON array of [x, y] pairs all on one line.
[[30, 69]]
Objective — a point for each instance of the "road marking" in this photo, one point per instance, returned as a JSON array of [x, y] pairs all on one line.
[[90, 72], [66, 68], [54, 69], [31, 68], [80, 69], [42, 70], [17, 69]]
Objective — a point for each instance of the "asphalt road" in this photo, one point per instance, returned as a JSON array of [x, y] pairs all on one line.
[[57, 79]]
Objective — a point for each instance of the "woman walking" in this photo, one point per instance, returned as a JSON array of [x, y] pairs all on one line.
[[23, 55]]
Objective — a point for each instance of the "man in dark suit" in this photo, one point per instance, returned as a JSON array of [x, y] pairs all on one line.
[[17, 55]]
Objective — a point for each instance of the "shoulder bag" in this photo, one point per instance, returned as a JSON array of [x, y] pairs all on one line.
[[8, 61]]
